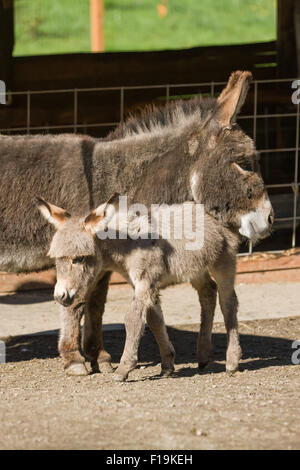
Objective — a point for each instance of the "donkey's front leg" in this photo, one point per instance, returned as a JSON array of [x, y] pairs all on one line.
[[92, 343], [134, 324], [229, 306], [207, 293], [69, 340]]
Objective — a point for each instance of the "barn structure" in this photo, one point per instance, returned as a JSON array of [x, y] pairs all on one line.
[[92, 92]]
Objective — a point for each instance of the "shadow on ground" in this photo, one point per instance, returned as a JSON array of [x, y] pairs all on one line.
[[29, 293], [258, 351]]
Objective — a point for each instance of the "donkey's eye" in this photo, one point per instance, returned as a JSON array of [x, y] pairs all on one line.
[[78, 260], [249, 193], [246, 165]]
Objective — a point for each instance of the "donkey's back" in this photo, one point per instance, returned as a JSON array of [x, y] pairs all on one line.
[[43, 164], [176, 244]]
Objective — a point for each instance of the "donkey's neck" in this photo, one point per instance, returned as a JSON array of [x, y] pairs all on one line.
[[155, 166]]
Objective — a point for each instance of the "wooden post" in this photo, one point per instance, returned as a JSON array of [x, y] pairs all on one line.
[[286, 44], [97, 25], [297, 33], [6, 41]]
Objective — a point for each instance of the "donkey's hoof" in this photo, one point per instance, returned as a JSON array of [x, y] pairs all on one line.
[[166, 372], [119, 377], [77, 369], [202, 365], [95, 367], [105, 367], [231, 370]]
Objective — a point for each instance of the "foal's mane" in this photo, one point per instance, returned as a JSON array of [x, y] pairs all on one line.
[[151, 117]]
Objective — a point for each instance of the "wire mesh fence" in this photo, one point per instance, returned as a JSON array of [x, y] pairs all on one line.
[[275, 129]]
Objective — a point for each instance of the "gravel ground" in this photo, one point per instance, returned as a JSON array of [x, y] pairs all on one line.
[[257, 408]]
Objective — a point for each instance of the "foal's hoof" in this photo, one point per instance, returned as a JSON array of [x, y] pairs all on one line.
[[105, 367], [77, 369]]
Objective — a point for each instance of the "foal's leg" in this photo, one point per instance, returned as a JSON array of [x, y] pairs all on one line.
[[207, 293], [157, 325], [224, 275], [135, 318], [92, 343], [134, 325], [69, 340]]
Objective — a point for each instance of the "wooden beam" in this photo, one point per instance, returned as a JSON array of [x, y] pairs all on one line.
[[255, 268], [6, 41], [97, 25], [297, 33], [286, 43], [199, 64]]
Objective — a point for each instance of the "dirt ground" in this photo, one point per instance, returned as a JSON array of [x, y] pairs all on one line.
[[35, 312], [258, 408]]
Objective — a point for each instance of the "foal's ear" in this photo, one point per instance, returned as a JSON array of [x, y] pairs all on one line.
[[55, 215], [99, 218], [232, 98]]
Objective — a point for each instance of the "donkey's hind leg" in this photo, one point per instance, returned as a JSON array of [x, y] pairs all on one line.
[[207, 293], [224, 274], [69, 340], [157, 325], [92, 343], [134, 323], [144, 299]]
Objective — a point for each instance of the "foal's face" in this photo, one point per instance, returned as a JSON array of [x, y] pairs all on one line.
[[75, 277], [75, 250]]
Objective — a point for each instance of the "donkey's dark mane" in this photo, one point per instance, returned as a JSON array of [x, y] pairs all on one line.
[[152, 116]]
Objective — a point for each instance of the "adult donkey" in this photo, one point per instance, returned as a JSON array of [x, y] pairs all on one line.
[[187, 151]]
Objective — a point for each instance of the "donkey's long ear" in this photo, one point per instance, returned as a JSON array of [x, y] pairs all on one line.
[[55, 215], [232, 98], [99, 218]]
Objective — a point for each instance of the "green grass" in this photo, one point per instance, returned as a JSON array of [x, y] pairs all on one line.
[[59, 26]]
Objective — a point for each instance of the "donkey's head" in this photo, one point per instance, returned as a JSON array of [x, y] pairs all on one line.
[[74, 248], [227, 179]]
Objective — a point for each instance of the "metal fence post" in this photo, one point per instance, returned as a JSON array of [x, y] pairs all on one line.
[[75, 109], [255, 112], [28, 113], [296, 186], [167, 93], [2, 352], [121, 104]]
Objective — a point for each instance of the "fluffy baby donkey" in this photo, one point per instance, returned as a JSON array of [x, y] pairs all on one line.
[[175, 244]]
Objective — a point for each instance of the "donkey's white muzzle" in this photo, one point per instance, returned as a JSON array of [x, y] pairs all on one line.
[[257, 224]]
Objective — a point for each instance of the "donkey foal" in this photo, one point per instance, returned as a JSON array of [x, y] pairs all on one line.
[[83, 253]]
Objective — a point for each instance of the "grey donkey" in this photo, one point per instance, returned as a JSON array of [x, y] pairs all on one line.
[[185, 151], [151, 254]]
